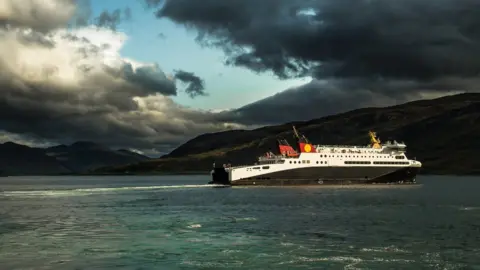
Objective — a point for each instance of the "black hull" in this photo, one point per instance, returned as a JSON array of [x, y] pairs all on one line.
[[324, 176], [219, 177]]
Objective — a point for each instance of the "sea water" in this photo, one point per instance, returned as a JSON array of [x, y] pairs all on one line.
[[178, 222]]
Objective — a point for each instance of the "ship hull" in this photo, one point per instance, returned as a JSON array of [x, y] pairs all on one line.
[[219, 177], [324, 176]]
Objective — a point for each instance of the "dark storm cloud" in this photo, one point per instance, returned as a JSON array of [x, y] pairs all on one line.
[[67, 93], [150, 78], [320, 98], [195, 85], [359, 52], [62, 85], [407, 39]]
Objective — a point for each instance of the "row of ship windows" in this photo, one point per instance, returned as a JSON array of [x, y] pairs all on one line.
[[301, 161], [275, 162], [378, 162], [324, 156], [349, 162], [264, 167], [357, 162], [321, 162]]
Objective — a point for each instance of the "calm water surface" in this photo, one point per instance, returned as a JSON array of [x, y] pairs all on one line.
[[177, 222]]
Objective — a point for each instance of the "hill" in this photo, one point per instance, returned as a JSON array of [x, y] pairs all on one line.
[[442, 133], [80, 157], [17, 159]]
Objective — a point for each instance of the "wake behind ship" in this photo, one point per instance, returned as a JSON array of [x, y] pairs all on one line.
[[324, 165]]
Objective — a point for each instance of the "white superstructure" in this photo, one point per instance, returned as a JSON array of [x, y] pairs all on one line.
[[390, 156]]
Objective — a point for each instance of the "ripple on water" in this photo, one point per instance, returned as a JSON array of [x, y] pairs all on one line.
[[470, 208], [187, 227], [91, 191], [389, 249]]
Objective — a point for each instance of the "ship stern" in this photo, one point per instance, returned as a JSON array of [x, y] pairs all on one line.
[[219, 176]]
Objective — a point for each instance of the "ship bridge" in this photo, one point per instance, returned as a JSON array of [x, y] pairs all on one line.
[[271, 158], [304, 146], [395, 146]]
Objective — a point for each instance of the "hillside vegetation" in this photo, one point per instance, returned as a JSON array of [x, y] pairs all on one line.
[[442, 133]]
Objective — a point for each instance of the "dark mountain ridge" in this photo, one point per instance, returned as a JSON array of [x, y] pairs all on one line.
[[442, 133], [79, 157]]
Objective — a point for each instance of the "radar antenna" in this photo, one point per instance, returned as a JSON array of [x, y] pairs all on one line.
[[300, 137]]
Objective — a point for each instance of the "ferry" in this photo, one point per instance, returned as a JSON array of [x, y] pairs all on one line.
[[310, 164]]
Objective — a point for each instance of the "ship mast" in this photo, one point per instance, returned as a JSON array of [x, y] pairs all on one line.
[[295, 132], [300, 138], [374, 140]]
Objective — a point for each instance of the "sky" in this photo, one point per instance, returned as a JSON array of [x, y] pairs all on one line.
[[174, 47], [149, 75]]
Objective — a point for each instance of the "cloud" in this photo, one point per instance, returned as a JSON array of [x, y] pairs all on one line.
[[41, 15], [359, 52], [195, 85], [24, 140], [320, 98], [112, 19], [406, 39], [62, 85]]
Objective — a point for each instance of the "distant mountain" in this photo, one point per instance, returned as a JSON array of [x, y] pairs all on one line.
[[132, 154], [85, 156], [18, 159], [80, 157], [442, 133]]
